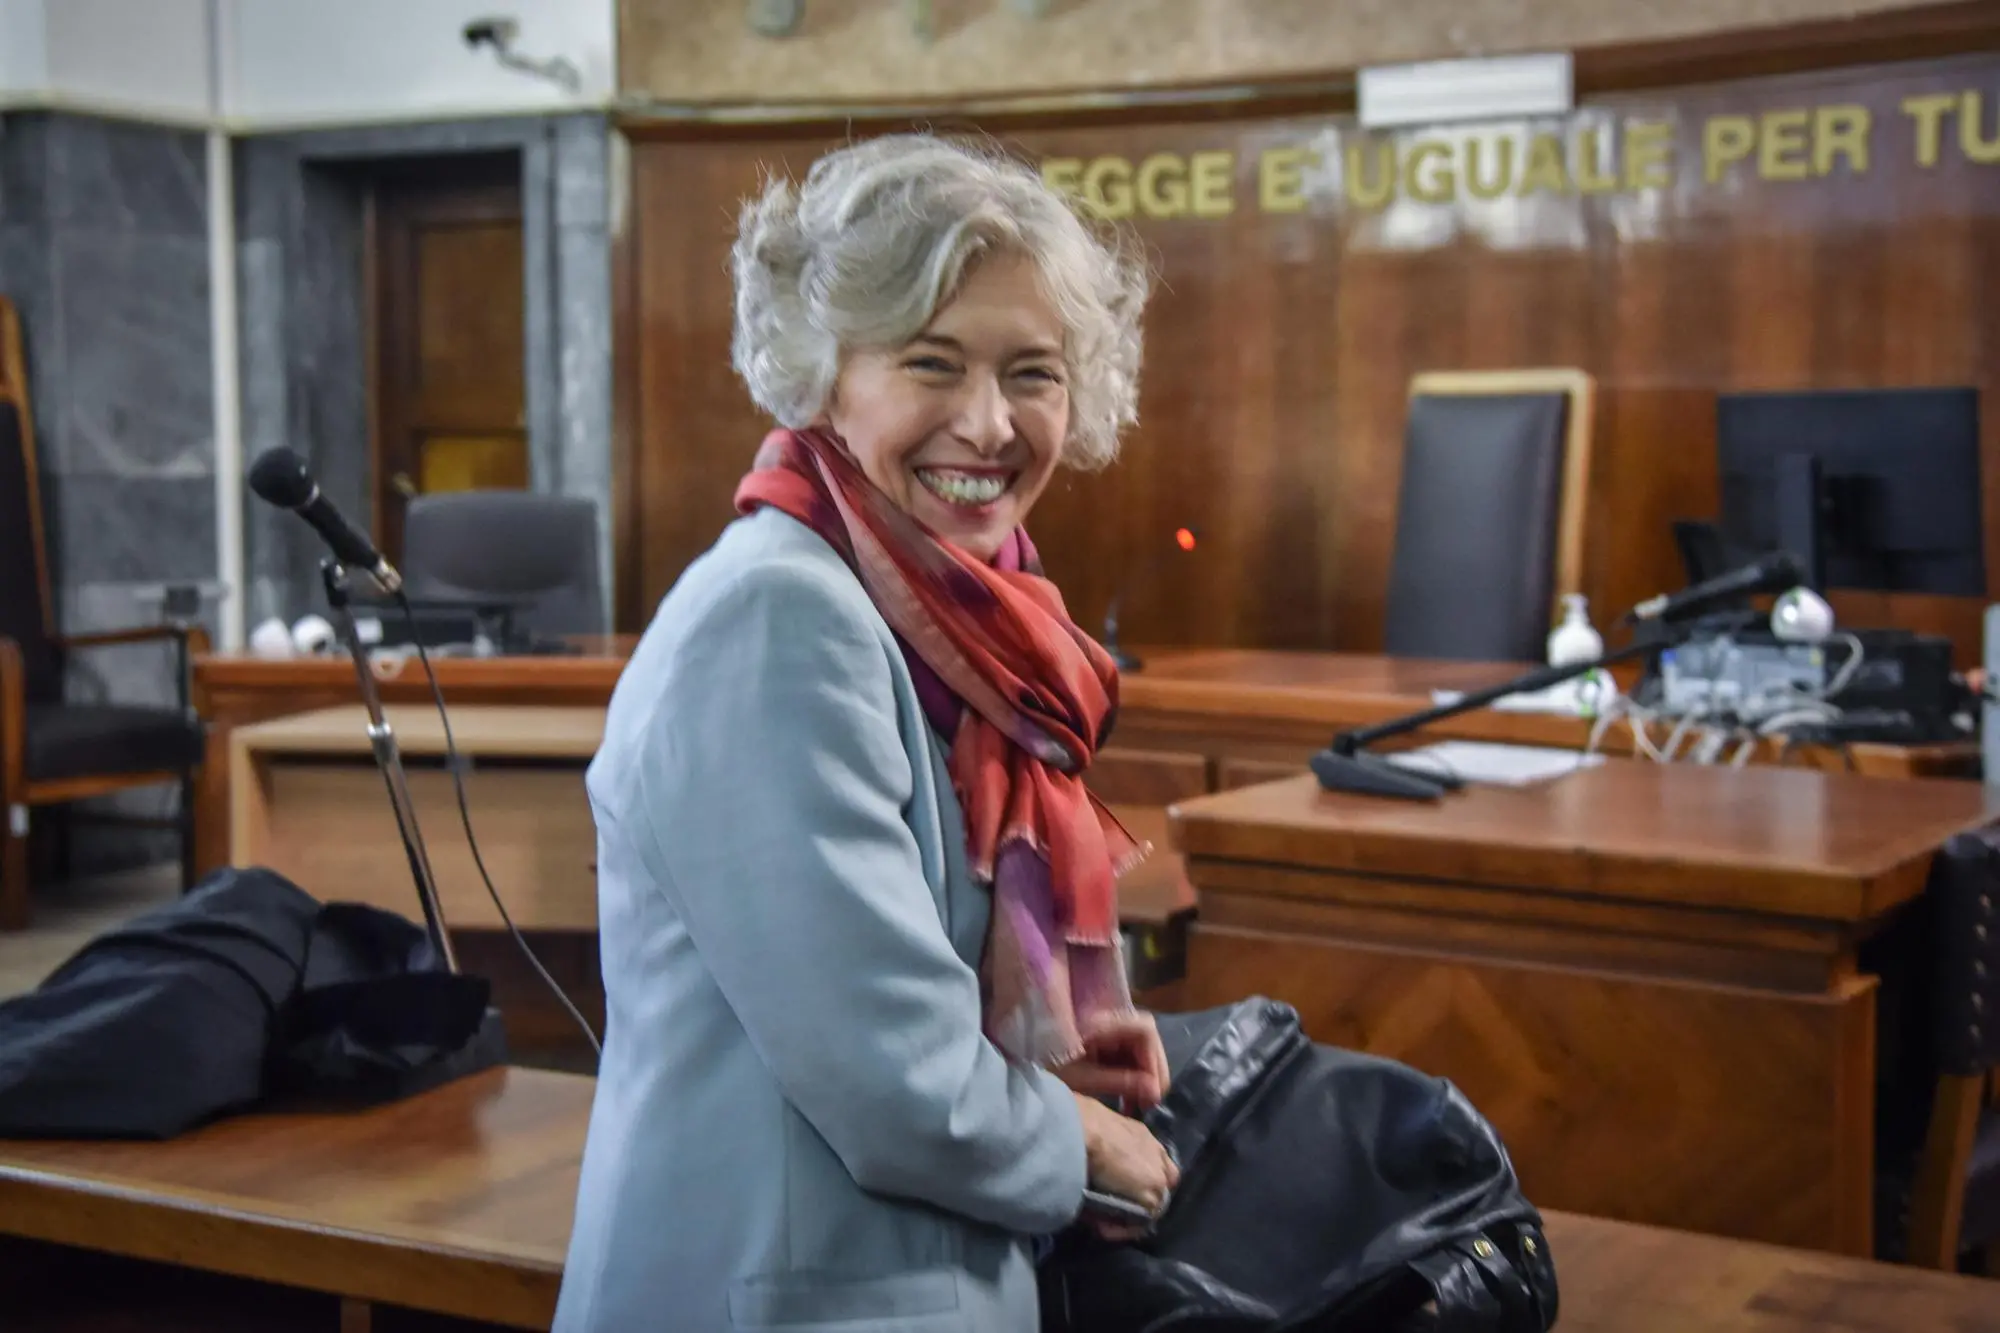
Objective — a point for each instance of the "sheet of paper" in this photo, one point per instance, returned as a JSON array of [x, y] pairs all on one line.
[[1501, 765], [1582, 697]]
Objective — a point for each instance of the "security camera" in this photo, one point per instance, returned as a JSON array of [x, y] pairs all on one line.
[[498, 33]]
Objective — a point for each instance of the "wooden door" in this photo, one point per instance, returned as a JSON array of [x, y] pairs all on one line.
[[449, 332]]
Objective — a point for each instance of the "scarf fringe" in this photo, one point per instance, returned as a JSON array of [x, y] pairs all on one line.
[[1054, 1059], [982, 873]]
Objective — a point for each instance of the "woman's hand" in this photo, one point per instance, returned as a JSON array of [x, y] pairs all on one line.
[[1124, 1159], [1123, 1060]]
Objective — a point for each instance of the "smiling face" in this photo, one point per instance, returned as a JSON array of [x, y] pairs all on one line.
[[962, 426]]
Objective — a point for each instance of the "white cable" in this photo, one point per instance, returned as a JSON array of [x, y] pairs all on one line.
[[1678, 736], [1845, 676], [1641, 726], [1778, 723]]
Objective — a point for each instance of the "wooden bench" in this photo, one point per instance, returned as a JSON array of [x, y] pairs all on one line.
[[458, 1203]]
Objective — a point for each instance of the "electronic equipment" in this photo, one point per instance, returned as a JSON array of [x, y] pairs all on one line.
[[1874, 489], [484, 627], [432, 626], [1903, 691]]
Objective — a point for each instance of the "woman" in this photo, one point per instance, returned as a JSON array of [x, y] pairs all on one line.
[[857, 909]]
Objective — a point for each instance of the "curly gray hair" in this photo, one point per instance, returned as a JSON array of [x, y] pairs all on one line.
[[878, 239]]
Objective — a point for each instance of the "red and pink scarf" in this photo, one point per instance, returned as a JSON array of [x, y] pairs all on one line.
[[1027, 698]]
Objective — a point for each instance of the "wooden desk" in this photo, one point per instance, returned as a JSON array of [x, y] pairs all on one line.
[[1215, 719], [460, 1202], [233, 690], [1644, 974], [309, 802], [1259, 715]]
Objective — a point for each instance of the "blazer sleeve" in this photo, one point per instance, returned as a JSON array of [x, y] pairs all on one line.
[[774, 784]]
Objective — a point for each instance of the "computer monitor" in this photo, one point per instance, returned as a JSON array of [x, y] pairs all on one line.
[[1873, 489]]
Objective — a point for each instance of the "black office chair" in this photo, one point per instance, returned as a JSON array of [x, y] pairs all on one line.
[[55, 751], [1489, 523], [1938, 1051], [537, 553]]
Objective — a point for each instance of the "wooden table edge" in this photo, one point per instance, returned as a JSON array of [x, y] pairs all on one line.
[[508, 1285], [1849, 899]]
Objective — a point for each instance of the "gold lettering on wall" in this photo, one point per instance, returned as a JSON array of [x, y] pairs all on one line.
[[1841, 132], [1929, 113], [1591, 177], [1649, 153], [1503, 167], [1065, 174], [1435, 186], [1781, 146], [1545, 166], [1725, 141], [1163, 187], [1487, 165], [1107, 187], [1214, 178], [1281, 179], [1972, 137], [1362, 192]]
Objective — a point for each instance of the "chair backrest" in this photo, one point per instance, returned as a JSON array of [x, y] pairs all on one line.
[[27, 613], [1489, 521], [502, 545], [1937, 967], [1964, 901]]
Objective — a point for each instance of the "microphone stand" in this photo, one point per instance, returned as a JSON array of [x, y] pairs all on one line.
[[1121, 659], [389, 759], [1345, 764], [1185, 542]]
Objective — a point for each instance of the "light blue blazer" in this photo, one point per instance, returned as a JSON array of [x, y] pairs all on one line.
[[798, 1124]]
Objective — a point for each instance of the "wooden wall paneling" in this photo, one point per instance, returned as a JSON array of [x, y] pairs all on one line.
[[1652, 465], [696, 429], [1282, 338]]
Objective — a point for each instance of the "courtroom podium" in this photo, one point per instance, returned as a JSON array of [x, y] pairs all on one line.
[[1644, 974]]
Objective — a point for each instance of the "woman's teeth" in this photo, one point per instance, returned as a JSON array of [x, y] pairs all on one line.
[[964, 488]]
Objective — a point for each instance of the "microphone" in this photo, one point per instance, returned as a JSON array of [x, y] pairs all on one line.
[[1802, 616], [1776, 572], [280, 477]]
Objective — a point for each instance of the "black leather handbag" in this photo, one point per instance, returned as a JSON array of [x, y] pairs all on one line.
[[1320, 1190]]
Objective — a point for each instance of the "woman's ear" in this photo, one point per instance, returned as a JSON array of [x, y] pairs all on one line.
[[823, 419]]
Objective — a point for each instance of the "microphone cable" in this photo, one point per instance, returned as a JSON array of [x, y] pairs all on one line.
[[451, 760]]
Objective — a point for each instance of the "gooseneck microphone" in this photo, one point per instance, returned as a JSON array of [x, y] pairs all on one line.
[[1777, 572], [280, 477]]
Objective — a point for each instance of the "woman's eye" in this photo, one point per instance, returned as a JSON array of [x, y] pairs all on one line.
[[932, 365], [1045, 373]]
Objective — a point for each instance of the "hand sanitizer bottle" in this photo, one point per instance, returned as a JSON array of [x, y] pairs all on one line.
[[1574, 640]]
